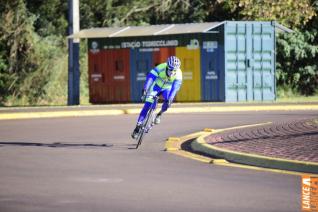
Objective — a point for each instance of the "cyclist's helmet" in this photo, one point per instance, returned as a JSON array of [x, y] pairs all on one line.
[[173, 64]]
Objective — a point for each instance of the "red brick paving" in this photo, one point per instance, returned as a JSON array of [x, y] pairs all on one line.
[[296, 140]]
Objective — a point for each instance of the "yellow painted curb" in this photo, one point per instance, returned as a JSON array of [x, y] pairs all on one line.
[[31, 115], [243, 108], [207, 109], [133, 111], [173, 145], [208, 130]]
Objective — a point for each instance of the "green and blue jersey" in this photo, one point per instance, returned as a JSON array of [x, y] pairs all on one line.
[[158, 81]]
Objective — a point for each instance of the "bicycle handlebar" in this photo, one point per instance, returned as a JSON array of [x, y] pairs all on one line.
[[144, 97]]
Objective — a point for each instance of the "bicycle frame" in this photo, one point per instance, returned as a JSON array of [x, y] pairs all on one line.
[[146, 126], [148, 122]]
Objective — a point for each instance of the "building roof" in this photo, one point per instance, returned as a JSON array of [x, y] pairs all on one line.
[[153, 30], [145, 30]]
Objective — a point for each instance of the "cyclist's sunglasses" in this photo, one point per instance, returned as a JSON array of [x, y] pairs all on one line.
[[171, 72]]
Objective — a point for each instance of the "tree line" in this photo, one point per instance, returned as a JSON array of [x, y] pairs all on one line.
[[33, 46]]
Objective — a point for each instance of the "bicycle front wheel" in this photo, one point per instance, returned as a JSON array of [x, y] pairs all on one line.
[[140, 137], [144, 127]]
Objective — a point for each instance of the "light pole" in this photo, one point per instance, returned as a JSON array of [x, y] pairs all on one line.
[[73, 97]]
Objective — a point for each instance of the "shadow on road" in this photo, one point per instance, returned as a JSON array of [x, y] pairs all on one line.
[[64, 145]]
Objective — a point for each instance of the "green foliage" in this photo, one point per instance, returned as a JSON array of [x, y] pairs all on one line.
[[17, 46], [51, 16], [84, 90], [297, 58], [26, 59], [179, 12], [33, 51], [287, 12], [100, 13]]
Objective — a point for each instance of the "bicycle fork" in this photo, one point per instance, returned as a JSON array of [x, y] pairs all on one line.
[[149, 127]]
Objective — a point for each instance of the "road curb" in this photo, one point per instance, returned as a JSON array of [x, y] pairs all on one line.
[[200, 145], [173, 145], [173, 110], [242, 108], [55, 114]]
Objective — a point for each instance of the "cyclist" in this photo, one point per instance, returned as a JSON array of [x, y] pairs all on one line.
[[165, 79]]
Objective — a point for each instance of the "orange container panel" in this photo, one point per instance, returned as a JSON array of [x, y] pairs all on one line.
[[162, 55], [117, 76], [96, 76]]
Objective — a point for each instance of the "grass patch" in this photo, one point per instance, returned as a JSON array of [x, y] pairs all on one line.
[[299, 99], [286, 94]]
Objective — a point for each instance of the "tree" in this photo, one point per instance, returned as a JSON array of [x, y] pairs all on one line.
[[100, 13], [51, 16], [26, 59], [16, 42], [290, 13], [297, 58]]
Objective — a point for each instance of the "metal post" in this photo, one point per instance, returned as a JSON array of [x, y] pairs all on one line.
[[73, 57]]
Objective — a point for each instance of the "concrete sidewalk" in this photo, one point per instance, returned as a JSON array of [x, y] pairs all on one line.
[[289, 146]]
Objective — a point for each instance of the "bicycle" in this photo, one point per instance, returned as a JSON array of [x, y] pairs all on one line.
[[148, 122]]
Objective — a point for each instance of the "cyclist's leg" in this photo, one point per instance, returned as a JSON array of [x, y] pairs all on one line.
[[141, 118], [153, 91], [165, 104], [164, 107], [144, 112], [155, 103]]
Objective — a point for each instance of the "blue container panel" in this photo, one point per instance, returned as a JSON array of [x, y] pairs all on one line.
[[268, 87], [249, 61], [257, 85], [231, 88], [242, 84], [263, 61], [211, 67], [141, 63], [236, 70]]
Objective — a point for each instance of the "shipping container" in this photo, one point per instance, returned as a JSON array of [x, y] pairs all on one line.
[[230, 61], [249, 61]]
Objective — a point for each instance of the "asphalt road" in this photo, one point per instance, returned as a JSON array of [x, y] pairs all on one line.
[[89, 164]]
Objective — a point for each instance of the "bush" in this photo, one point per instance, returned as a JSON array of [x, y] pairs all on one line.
[[297, 57], [33, 69]]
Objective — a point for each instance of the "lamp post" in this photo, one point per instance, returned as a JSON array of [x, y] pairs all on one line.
[[73, 97]]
